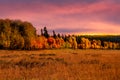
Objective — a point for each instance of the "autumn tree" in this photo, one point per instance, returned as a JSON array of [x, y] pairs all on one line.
[[74, 43], [59, 42], [71, 41], [41, 42], [67, 45], [17, 41], [96, 44], [106, 45], [28, 32], [16, 34], [51, 42], [5, 32], [85, 43], [4, 42]]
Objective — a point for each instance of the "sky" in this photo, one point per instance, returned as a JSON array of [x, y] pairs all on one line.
[[66, 16]]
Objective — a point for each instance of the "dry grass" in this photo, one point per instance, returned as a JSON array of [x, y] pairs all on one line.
[[62, 64]]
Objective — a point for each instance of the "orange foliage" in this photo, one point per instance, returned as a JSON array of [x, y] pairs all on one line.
[[39, 42], [59, 42], [55, 43], [51, 42]]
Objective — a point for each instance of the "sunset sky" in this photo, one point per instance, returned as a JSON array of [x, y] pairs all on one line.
[[66, 16]]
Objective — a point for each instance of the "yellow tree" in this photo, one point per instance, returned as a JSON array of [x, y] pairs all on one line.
[[74, 43], [96, 44], [4, 42], [106, 45], [85, 43]]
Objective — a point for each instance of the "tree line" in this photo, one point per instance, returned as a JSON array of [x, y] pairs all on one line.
[[16, 34]]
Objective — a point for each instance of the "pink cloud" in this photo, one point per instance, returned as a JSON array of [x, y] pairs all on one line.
[[98, 16]]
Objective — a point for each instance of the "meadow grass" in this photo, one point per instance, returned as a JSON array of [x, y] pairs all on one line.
[[63, 64]]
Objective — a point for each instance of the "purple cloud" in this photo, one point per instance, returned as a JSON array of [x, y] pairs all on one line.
[[78, 15]]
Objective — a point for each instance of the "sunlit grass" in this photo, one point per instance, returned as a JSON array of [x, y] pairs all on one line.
[[64, 64]]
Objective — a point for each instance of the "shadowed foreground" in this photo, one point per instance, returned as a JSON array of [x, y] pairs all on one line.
[[62, 64]]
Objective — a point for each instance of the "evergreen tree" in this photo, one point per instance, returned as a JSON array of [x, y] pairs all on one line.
[[46, 32], [59, 35], [54, 34], [42, 34]]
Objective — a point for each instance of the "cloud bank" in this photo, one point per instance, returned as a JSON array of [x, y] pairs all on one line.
[[66, 16]]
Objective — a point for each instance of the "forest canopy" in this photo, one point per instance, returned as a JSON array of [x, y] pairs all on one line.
[[16, 34]]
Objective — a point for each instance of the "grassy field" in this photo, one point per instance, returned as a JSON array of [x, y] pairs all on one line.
[[64, 64]]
